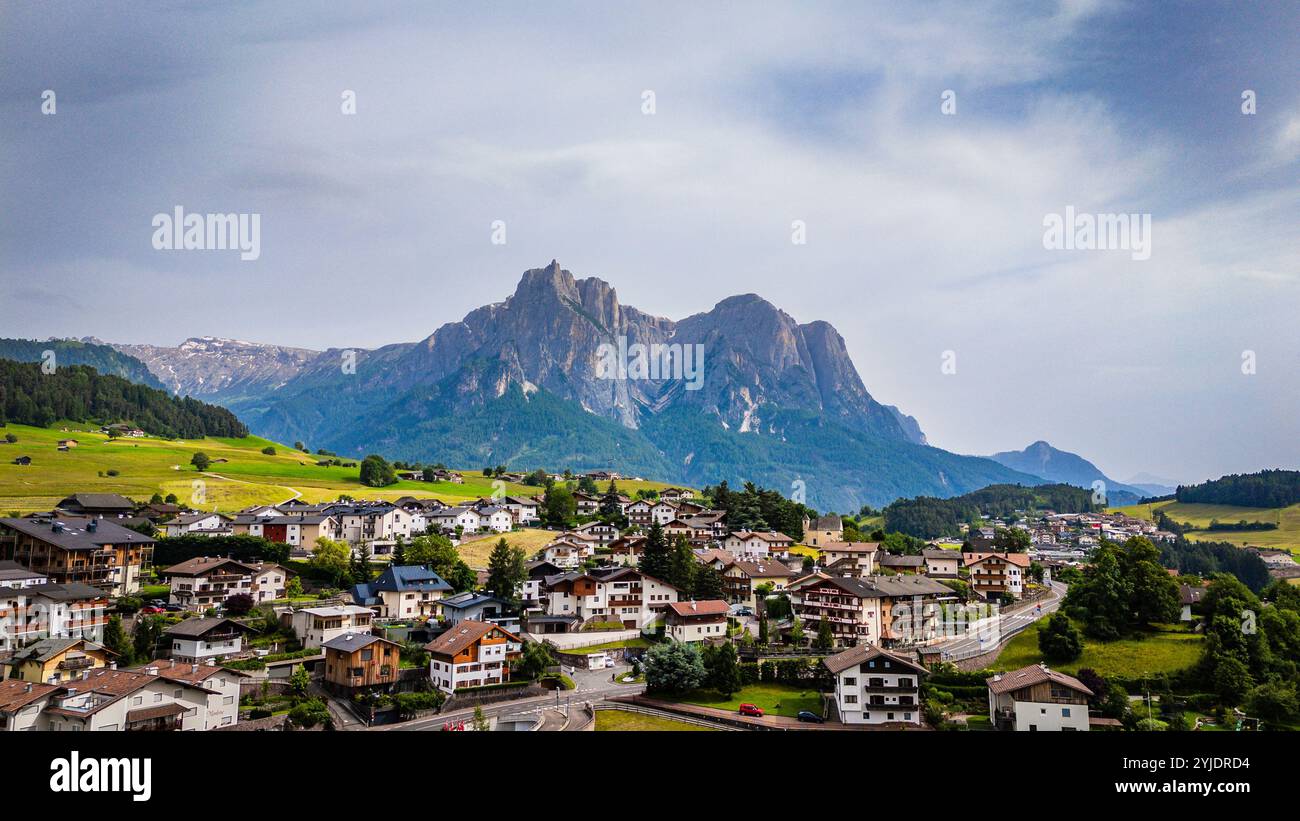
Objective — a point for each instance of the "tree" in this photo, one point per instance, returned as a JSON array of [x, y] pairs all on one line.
[[361, 572], [656, 561], [796, 631], [1231, 679], [238, 604], [480, 722], [1059, 641], [762, 629], [682, 566], [376, 472], [399, 552], [300, 446], [1273, 702], [507, 572], [331, 558], [825, 638], [294, 588], [299, 680], [11, 438], [706, 582], [1011, 540], [724, 671], [559, 507], [1102, 600], [438, 554], [310, 713], [587, 485], [148, 634], [674, 667], [200, 461], [536, 658], [268, 450], [115, 639]]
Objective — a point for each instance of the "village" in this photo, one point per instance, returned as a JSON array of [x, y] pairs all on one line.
[[843, 630]]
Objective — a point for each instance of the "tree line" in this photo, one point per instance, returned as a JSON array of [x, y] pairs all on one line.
[[927, 517], [79, 393], [1268, 488]]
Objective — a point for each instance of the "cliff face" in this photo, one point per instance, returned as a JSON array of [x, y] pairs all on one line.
[[521, 383]]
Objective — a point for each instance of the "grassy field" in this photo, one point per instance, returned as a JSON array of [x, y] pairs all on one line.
[[1287, 536], [1165, 650], [476, 552], [246, 477], [773, 699], [636, 643], [623, 721]]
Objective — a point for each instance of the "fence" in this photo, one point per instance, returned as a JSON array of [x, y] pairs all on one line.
[[650, 711]]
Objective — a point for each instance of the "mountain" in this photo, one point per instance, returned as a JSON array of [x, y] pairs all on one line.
[[220, 369], [1153, 485], [533, 381], [102, 358], [1043, 460]]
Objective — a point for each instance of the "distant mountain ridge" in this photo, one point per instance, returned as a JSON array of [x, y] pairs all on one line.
[[219, 369], [101, 357], [516, 383], [1054, 465]]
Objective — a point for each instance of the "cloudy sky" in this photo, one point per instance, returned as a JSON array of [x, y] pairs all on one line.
[[924, 229]]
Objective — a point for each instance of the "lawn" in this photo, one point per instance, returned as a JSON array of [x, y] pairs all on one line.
[[623, 721], [149, 465], [610, 645], [773, 699], [476, 552], [1287, 535], [1164, 650]]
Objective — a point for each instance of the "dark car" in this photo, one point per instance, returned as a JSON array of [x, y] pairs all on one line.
[[805, 715], [751, 710], [174, 608]]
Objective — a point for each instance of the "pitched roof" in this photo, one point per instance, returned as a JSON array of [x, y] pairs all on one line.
[[350, 642], [187, 672], [16, 693], [850, 547], [206, 564], [463, 635], [106, 501], [890, 560], [1031, 675], [75, 533], [764, 570], [13, 571], [71, 591], [707, 607], [866, 652], [1018, 559], [46, 649], [193, 628], [875, 587]]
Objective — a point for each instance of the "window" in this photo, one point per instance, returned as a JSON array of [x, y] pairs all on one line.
[[1065, 712], [850, 699], [850, 682]]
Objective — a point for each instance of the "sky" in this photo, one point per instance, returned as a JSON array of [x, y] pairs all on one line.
[[924, 227]]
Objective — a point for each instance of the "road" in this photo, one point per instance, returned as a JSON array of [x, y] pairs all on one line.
[[592, 685], [1006, 627]]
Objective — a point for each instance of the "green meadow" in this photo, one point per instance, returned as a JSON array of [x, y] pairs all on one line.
[[1287, 535], [240, 474], [1164, 649]]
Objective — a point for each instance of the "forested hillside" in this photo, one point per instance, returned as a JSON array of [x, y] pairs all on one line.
[[81, 394], [927, 517], [1268, 488]]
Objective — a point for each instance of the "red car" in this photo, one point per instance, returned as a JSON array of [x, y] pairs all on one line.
[[151, 610], [751, 710]]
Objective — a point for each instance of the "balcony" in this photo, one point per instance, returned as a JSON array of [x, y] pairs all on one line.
[[76, 663]]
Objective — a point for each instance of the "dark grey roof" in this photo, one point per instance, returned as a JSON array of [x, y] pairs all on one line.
[[863, 653], [13, 571], [350, 642], [200, 626], [874, 587], [71, 591], [46, 649], [76, 532]]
